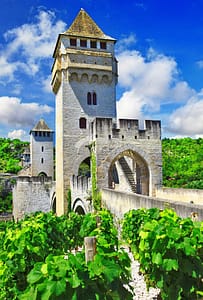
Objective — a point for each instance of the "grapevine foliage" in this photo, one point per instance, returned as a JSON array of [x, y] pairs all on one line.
[[37, 259], [169, 249]]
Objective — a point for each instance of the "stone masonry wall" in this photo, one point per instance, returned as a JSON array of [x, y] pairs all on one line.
[[145, 144], [120, 202], [81, 190], [182, 195], [31, 194]]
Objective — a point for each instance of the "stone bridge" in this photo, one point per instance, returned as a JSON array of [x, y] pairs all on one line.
[[119, 202], [187, 203]]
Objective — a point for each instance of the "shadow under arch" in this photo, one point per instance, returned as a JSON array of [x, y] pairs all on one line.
[[129, 171], [78, 207], [42, 174], [53, 202]]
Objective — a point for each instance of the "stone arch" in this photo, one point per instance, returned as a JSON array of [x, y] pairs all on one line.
[[42, 174], [134, 170], [94, 78], [143, 159], [79, 207], [105, 79], [82, 154], [84, 167], [84, 77], [74, 77]]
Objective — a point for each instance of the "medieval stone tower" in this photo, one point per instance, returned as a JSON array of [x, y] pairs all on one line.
[[84, 78], [41, 150], [33, 188]]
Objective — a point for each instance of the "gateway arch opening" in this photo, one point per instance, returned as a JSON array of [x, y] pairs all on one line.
[[129, 173]]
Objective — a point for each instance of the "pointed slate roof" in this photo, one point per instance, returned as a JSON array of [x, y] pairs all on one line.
[[84, 26], [41, 126]]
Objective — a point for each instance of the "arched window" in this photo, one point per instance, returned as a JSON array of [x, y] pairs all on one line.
[[94, 98], [83, 123], [42, 160], [89, 98]]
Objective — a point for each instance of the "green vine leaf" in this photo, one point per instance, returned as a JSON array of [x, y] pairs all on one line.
[[35, 274], [170, 264], [157, 258]]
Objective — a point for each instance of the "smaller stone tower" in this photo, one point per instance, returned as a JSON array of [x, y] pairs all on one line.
[[41, 149]]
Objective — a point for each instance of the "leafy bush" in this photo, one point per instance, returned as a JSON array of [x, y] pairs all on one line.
[[6, 202], [30, 241], [70, 277], [101, 225], [10, 154], [169, 249], [37, 261]]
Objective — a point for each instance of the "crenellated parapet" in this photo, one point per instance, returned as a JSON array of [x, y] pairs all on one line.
[[34, 179], [125, 129]]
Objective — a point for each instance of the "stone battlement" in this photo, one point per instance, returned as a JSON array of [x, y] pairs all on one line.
[[125, 128], [34, 179]]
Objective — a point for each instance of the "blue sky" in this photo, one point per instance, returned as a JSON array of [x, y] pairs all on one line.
[[159, 49]]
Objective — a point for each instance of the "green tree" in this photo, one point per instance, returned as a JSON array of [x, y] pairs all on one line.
[[183, 163]]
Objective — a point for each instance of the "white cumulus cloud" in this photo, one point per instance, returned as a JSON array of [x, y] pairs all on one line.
[[18, 134], [126, 42], [151, 83], [188, 119], [14, 112], [147, 82], [29, 45], [46, 84]]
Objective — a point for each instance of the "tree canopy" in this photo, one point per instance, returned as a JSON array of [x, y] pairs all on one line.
[[183, 163], [10, 154]]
